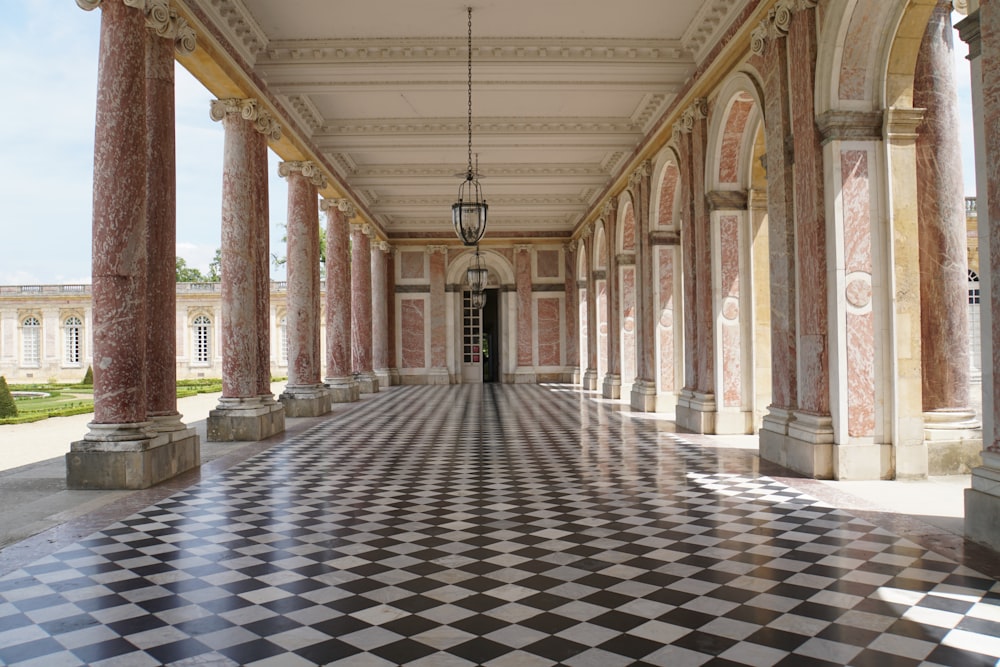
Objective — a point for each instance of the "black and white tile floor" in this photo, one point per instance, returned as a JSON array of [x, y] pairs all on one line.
[[560, 533]]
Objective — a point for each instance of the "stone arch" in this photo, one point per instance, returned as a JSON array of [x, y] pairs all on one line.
[[625, 243], [600, 263], [600, 248], [501, 272], [733, 129], [665, 197]]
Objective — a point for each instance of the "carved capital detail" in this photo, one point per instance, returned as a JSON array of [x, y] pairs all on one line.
[[644, 170], [523, 247], [435, 249], [160, 18], [384, 246], [248, 109], [609, 206], [308, 169], [586, 231]]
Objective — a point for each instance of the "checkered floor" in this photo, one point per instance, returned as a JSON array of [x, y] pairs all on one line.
[[400, 532]]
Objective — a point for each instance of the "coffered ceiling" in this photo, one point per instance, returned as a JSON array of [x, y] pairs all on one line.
[[563, 93]]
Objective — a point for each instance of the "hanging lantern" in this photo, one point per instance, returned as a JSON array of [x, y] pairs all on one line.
[[468, 214]]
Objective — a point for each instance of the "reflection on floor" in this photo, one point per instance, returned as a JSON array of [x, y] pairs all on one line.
[[496, 525]]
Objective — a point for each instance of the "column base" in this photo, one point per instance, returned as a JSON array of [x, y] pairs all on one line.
[[982, 503], [394, 377], [382, 375], [305, 400], [612, 386], [695, 412], [367, 382], [571, 375], [130, 456], [954, 441], [803, 442], [245, 419], [643, 396], [589, 381], [342, 390]]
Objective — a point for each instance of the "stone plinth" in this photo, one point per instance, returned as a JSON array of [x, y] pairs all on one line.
[[343, 390], [367, 382], [612, 386], [250, 419], [589, 381], [383, 377], [572, 375], [982, 502], [305, 401], [643, 396], [696, 412], [135, 457], [954, 441]]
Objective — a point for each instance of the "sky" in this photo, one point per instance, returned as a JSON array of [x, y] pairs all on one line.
[[48, 72]]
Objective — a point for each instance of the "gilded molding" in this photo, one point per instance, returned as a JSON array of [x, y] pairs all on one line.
[[308, 169], [248, 109]]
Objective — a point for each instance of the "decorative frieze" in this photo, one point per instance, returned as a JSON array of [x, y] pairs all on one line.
[[308, 169], [248, 109], [160, 18]]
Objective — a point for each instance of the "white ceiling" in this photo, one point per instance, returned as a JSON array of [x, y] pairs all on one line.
[[563, 93]]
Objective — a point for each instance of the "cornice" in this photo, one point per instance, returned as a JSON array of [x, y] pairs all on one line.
[[605, 50], [453, 126], [712, 19], [239, 25]]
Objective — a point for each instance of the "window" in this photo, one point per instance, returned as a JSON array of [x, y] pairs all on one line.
[[973, 288], [71, 336], [283, 341], [31, 342], [471, 330], [202, 328]]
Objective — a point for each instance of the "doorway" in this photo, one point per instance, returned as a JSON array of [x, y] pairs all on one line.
[[491, 336]]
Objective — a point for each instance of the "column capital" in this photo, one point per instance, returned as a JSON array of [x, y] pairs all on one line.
[[342, 205], [435, 249], [644, 169], [586, 231], [308, 169], [776, 24], [248, 109], [160, 18], [522, 247], [610, 205], [384, 246]]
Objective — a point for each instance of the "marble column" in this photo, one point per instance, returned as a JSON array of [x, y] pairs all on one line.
[[572, 314], [361, 308], [953, 437], [339, 380], [981, 30], [525, 371], [390, 296], [304, 395], [245, 411], [380, 314], [643, 395], [590, 376], [696, 406], [116, 452], [438, 260], [612, 383]]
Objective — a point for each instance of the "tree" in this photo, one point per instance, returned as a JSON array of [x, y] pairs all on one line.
[[278, 262], [8, 408], [215, 267], [188, 274], [88, 377]]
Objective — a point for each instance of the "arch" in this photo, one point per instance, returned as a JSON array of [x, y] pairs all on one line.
[[72, 340], [665, 197], [31, 341], [600, 248], [201, 339], [501, 272], [733, 129], [625, 243]]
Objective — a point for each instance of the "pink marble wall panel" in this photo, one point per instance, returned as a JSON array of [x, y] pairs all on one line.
[[411, 265], [582, 328], [703, 259], [667, 196], [549, 314], [547, 262], [689, 268], [628, 337], [858, 265], [665, 322], [524, 314], [729, 239], [508, 254], [602, 250], [571, 309], [862, 34], [412, 328], [732, 139], [628, 229]]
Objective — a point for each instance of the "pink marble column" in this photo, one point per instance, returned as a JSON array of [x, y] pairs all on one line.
[[689, 265], [380, 314], [339, 367], [438, 372], [813, 344], [643, 396], [989, 18], [246, 410], [703, 252], [390, 295], [944, 323], [612, 382], [525, 318], [572, 317], [119, 229], [161, 221], [591, 376], [304, 395], [361, 308]]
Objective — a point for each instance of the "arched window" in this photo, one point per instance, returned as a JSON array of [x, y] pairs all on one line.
[[201, 330], [31, 342], [283, 341], [71, 335]]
